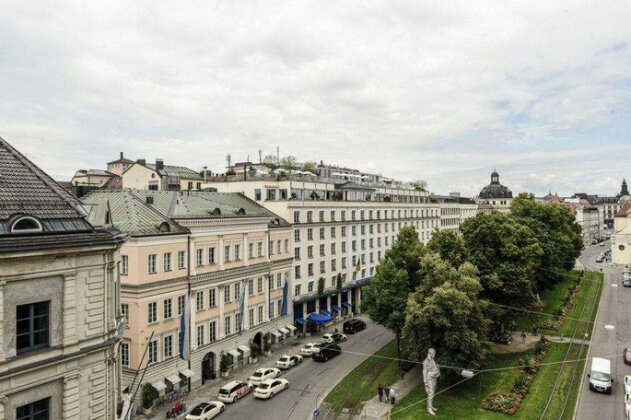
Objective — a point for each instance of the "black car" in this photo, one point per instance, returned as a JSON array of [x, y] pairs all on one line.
[[354, 325], [327, 352]]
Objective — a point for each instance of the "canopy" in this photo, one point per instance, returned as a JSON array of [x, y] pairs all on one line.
[[174, 379], [336, 308], [291, 328], [347, 304], [235, 353], [187, 373], [159, 386], [325, 312], [244, 349], [283, 330], [300, 321], [276, 334], [319, 318]]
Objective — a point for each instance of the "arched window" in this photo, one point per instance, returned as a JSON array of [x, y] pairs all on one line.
[[26, 224], [241, 211], [164, 227]]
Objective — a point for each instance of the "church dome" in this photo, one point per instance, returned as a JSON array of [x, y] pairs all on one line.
[[495, 189]]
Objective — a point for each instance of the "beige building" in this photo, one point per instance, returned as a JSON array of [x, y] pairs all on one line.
[[221, 255], [495, 196], [58, 301], [340, 228], [621, 238], [120, 165], [160, 177], [91, 178]]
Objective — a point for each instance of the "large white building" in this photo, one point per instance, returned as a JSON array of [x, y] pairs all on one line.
[[342, 226]]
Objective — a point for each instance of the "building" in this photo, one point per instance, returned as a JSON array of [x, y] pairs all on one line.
[[587, 217], [454, 210], [621, 238], [160, 177], [495, 196], [59, 293], [120, 165], [223, 256], [341, 231], [92, 178]]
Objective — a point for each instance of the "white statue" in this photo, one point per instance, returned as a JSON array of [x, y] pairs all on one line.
[[430, 377]]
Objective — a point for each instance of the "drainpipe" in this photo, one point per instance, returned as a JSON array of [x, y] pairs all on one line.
[[188, 292]]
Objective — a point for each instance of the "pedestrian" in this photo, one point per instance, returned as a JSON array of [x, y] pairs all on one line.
[[534, 329], [513, 326], [523, 336], [386, 393], [392, 396], [380, 391]]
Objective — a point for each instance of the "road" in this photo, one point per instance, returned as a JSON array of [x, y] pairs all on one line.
[[614, 309], [309, 382]]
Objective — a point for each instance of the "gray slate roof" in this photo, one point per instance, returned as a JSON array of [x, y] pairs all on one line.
[[27, 190], [181, 171]]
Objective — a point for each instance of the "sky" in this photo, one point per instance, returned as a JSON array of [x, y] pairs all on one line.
[[439, 91]]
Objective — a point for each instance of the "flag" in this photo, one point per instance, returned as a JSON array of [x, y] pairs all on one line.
[[241, 304], [185, 347], [283, 310]]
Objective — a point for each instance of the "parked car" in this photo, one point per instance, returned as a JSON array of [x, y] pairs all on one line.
[[626, 356], [271, 387], [232, 391], [263, 374], [600, 258], [327, 352], [627, 406], [334, 338], [286, 361], [627, 384], [206, 411], [600, 379], [626, 281], [309, 349], [354, 325]]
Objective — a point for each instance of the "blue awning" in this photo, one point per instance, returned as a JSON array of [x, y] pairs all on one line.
[[336, 308], [319, 318], [300, 321], [347, 304], [325, 312]]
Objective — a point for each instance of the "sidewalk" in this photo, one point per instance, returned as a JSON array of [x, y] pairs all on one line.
[[375, 409], [210, 390]]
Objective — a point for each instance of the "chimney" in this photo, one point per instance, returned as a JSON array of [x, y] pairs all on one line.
[[121, 155], [141, 161], [159, 164]]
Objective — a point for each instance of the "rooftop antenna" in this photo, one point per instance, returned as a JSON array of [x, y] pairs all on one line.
[[260, 156], [277, 154], [228, 160]]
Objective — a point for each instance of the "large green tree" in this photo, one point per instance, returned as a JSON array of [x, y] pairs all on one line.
[[448, 316], [406, 253], [384, 299], [449, 245], [506, 254]]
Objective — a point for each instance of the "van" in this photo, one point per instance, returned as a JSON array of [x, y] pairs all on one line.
[[233, 391], [353, 325], [600, 379], [327, 352]]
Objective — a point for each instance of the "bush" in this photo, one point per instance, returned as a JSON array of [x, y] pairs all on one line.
[[267, 342], [521, 385], [542, 346], [254, 349], [224, 364], [147, 395]]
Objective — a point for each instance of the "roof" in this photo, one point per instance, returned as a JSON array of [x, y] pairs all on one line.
[[624, 211], [495, 189], [353, 186], [93, 172], [181, 171], [131, 212], [113, 183], [27, 190]]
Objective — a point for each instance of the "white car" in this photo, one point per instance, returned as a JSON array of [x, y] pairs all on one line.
[[286, 361], [627, 406], [206, 411], [271, 387], [262, 374], [627, 384], [334, 338], [309, 349]]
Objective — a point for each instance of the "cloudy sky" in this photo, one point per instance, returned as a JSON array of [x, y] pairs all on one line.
[[418, 89]]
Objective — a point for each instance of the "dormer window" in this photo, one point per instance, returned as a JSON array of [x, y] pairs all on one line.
[[216, 211], [164, 227], [26, 224], [241, 211]]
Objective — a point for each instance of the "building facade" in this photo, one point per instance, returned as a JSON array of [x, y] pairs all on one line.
[[220, 260], [621, 238], [59, 293], [160, 177]]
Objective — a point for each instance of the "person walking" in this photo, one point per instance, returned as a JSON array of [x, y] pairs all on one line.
[[380, 392], [393, 395], [523, 336], [386, 393]]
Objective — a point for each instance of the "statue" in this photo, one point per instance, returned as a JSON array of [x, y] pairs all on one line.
[[430, 377]]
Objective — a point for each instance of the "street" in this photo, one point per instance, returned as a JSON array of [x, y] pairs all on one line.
[[309, 382], [614, 309]]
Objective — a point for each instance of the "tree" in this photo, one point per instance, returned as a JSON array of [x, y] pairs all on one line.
[[420, 184], [310, 166], [406, 253], [269, 160], [449, 246], [449, 317], [339, 282], [506, 255], [288, 162], [384, 299]]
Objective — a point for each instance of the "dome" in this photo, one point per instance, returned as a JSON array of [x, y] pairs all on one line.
[[495, 189]]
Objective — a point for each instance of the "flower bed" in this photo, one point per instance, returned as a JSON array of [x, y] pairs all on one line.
[[508, 402]]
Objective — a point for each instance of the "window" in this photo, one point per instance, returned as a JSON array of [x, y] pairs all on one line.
[[296, 235], [321, 216], [200, 335], [211, 255], [257, 194], [310, 287], [321, 233], [296, 216], [153, 351], [343, 247], [310, 251], [124, 265], [237, 252], [343, 263], [226, 293], [286, 245], [199, 301], [333, 250], [153, 259], [333, 232], [180, 304], [322, 250], [212, 331], [259, 286], [168, 309], [260, 249], [343, 231], [279, 247], [260, 311], [297, 273], [32, 326], [125, 312], [271, 310], [250, 250], [250, 287], [309, 216], [237, 291], [322, 268], [271, 194], [200, 257], [297, 253], [333, 265], [124, 354], [310, 269], [152, 312], [25, 225], [168, 346], [333, 215], [227, 325], [226, 253], [279, 280], [212, 298], [297, 290], [181, 259], [343, 215], [237, 322], [271, 248], [310, 234], [38, 410], [167, 261]]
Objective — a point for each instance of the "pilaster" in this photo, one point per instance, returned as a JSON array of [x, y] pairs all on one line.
[[71, 396], [220, 327], [70, 311], [246, 251], [221, 255], [2, 352], [3, 402]]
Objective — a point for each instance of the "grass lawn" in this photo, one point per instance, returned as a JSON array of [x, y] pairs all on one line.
[[361, 384], [590, 289]]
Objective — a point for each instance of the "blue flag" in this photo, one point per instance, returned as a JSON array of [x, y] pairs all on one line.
[[283, 310], [184, 347]]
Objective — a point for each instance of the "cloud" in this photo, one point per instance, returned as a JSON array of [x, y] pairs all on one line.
[[437, 91]]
